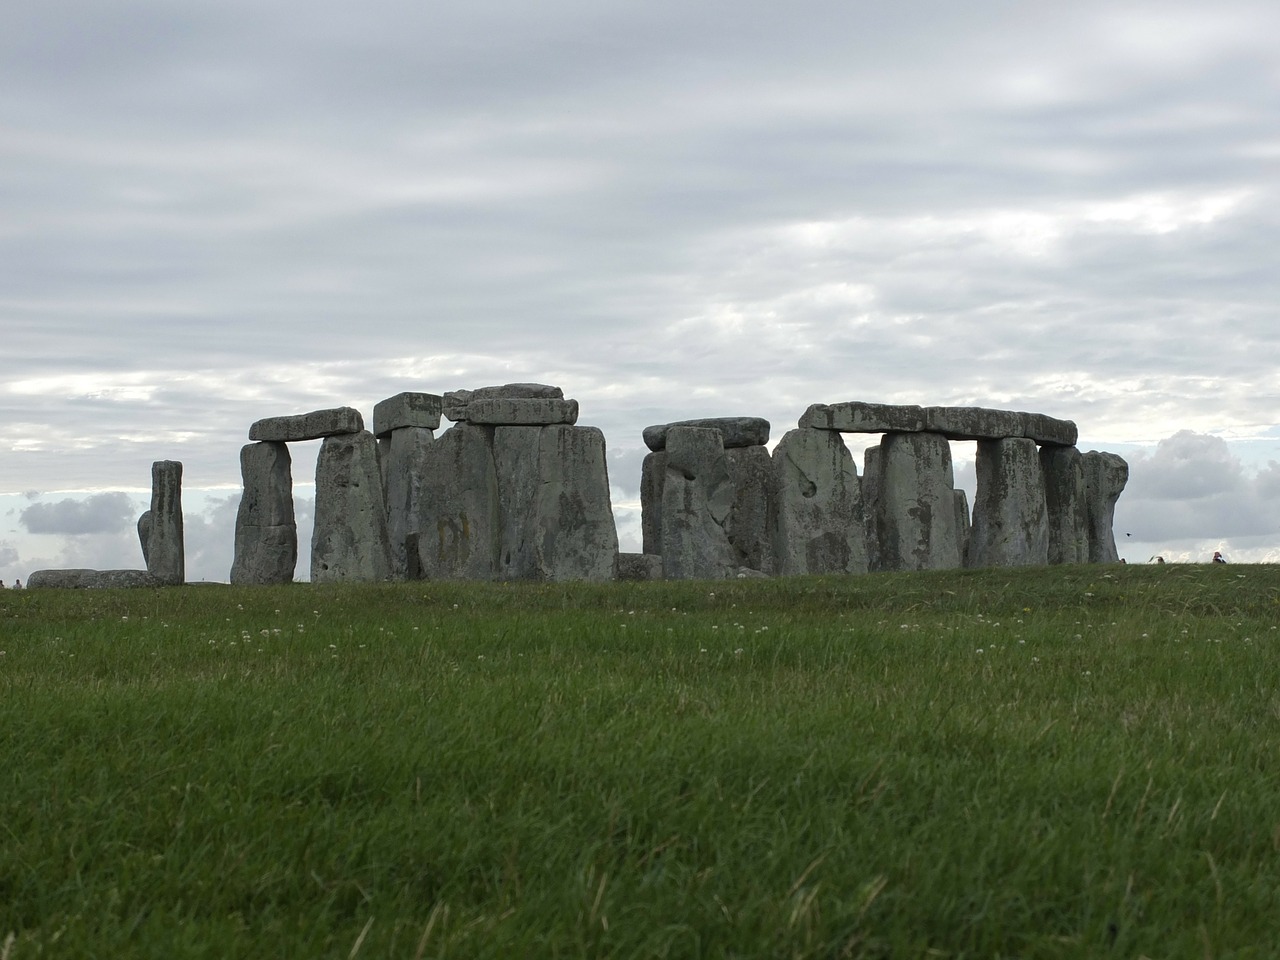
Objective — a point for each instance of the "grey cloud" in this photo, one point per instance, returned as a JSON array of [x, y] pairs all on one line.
[[97, 514]]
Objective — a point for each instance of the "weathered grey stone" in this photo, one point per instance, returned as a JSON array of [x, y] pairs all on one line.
[[963, 526], [1105, 476], [401, 458], [653, 474], [753, 518], [266, 541], [916, 519], [820, 525], [458, 529], [1064, 494], [350, 541], [453, 405], [697, 498], [954, 423], [1010, 524], [420, 410], [639, 566], [164, 547], [513, 412], [556, 521], [734, 431], [308, 426], [871, 505], [80, 579]]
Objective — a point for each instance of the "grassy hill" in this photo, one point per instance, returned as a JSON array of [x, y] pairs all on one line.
[[1054, 762]]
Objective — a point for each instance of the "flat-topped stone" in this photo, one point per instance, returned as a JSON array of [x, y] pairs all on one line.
[[734, 431], [954, 423], [455, 402], [80, 579], [406, 410], [521, 411], [308, 426]]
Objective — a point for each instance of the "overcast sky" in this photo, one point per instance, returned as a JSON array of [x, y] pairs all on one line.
[[212, 212]]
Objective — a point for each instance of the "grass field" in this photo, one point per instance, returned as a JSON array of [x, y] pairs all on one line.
[[1057, 762]]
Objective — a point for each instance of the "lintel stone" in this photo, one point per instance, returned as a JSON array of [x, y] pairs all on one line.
[[315, 425], [406, 410], [734, 431], [954, 423], [522, 411]]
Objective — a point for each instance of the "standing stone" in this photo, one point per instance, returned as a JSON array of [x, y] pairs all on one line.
[[871, 505], [350, 538], [556, 521], [653, 474], [697, 498], [963, 526], [916, 515], [162, 525], [1105, 476], [754, 514], [459, 524], [266, 543], [1010, 524], [820, 526], [401, 458], [1064, 493]]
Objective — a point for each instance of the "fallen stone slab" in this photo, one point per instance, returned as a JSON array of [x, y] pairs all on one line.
[[954, 423], [308, 426], [420, 410], [734, 431], [639, 566], [521, 412], [80, 579]]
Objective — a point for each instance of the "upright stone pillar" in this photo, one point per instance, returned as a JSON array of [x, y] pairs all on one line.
[[963, 525], [1010, 525], [404, 426], [160, 528], [653, 474], [1064, 493], [350, 538], [555, 518], [820, 527], [871, 506], [458, 507], [266, 544], [754, 513], [917, 522], [1105, 476], [697, 498]]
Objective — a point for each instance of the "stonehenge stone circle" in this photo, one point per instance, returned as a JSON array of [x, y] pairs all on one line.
[[1064, 492], [1010, 524], [266, 539], [820, 526], [350, 538], [308, 426]]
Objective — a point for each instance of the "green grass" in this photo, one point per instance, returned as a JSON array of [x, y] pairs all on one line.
[[1062, 762]]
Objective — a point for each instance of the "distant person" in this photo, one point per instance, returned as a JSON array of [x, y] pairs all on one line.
[[1218, 557], [1159, 559], [1, 584], [17, 584]]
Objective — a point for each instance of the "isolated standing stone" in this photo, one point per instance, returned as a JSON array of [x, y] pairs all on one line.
[[697, 498], [458, 526], [164, 549], [1105, 476], [401, 458], [266, 542], [916, 506], [1010, 526], [555, 518], [1064, 493], [820, 526], [350, 538]]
